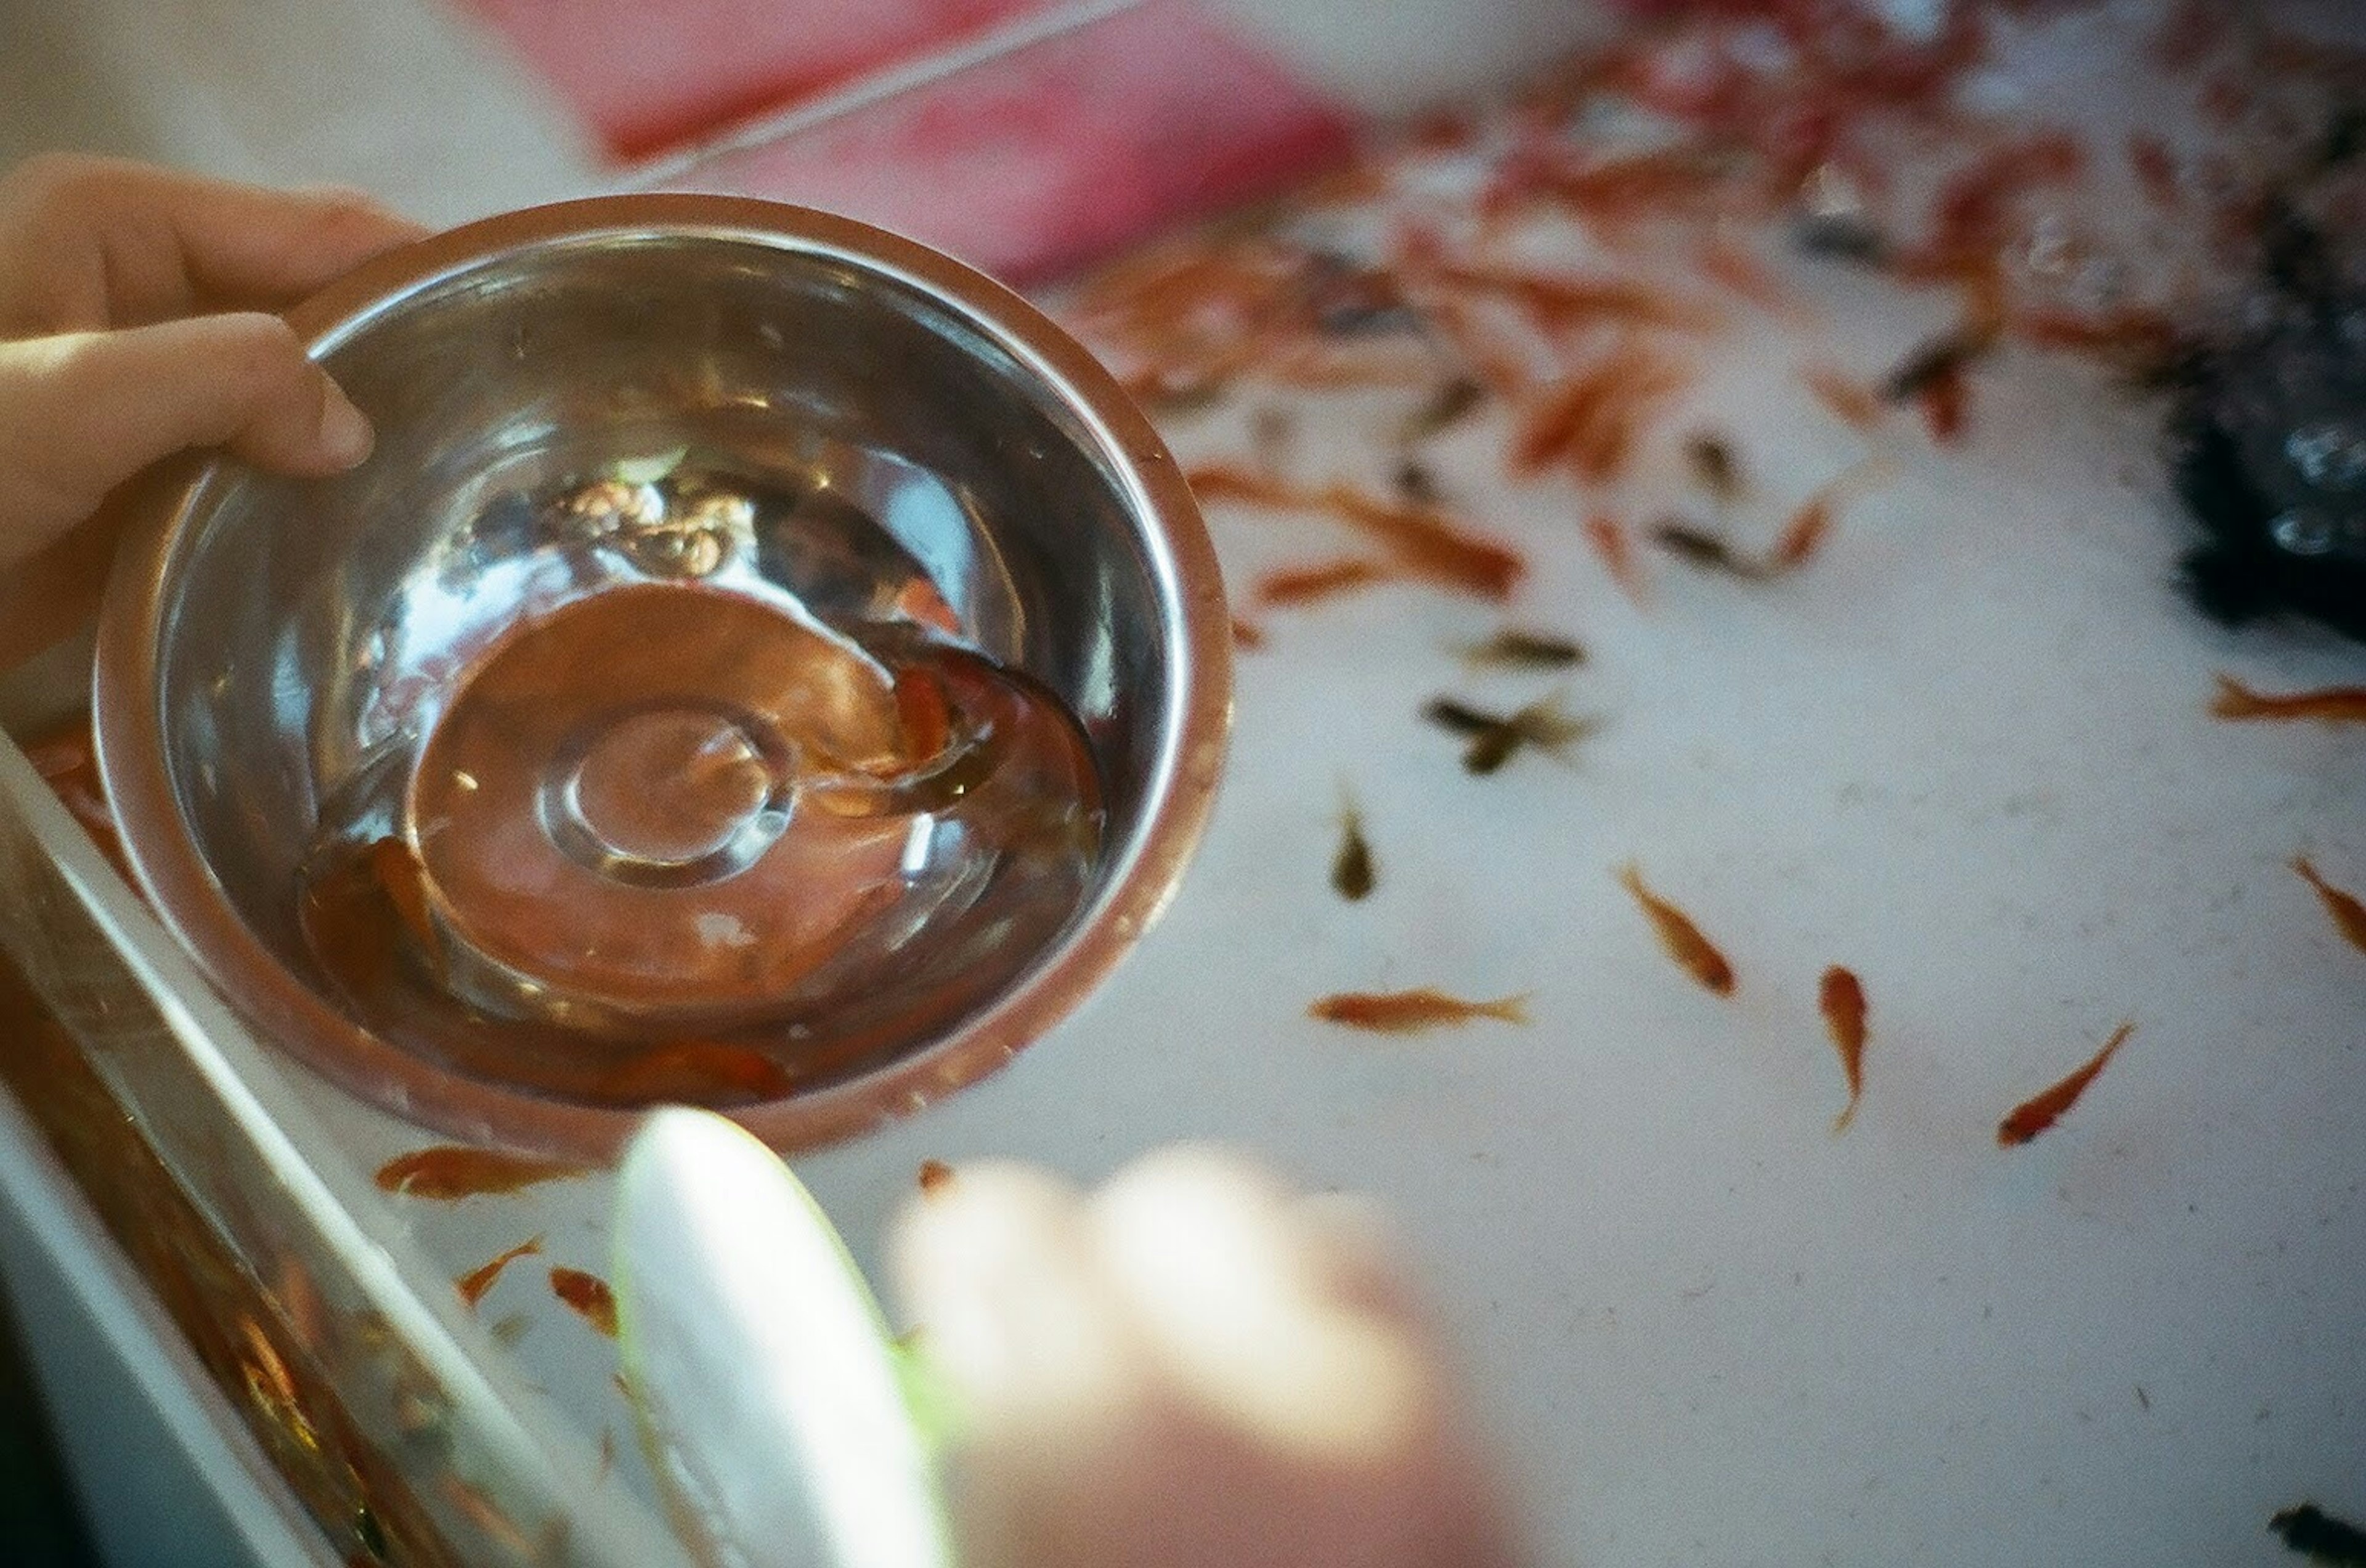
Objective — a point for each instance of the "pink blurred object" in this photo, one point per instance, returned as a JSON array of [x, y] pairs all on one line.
[[1064, 151], [648, 74]]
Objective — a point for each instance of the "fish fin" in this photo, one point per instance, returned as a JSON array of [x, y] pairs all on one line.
[[2234, 699]]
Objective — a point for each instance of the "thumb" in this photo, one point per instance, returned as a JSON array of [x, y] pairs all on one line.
[[83, 411]]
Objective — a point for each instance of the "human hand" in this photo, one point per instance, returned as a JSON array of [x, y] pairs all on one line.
[[134, 324], [1190, 1369]]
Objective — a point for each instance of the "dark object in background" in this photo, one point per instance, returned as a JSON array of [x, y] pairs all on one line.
[[39, 1526], [2310, 1530], [2270, 437]]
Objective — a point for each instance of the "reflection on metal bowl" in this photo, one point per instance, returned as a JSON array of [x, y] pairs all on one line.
[[764, 664]]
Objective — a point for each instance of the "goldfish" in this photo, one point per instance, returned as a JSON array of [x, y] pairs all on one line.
[[1727, 261], [694, 1071], [1515, 650], [1847, 399], [448, 1172], [1683, 939], [588, 1294], [2349, 914], [1842, 998], [2327, 705], [1609, 541], [2035, 1115], [473, 1285], [1805, 534], [1430, 543], [1426, 542], [1411, 1013], [1303, 585]]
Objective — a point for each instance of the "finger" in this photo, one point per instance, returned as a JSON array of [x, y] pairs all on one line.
[[88, 242], [1244, 1310], [997, 1269], [82, 412]]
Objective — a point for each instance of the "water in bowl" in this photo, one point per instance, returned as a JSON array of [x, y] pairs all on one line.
[[680, 831]]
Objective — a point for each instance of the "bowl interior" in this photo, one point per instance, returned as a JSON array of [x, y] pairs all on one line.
[[898, 447]]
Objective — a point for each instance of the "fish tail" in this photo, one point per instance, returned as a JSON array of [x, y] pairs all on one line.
[[1511, 1010], [2235, 700], [1841, 1122], [1630, 877], [2305, 869]]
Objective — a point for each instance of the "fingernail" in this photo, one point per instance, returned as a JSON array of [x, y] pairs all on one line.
[[346, 436]]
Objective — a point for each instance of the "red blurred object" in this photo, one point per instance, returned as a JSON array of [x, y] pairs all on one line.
[[647, 76], [1065, 151]]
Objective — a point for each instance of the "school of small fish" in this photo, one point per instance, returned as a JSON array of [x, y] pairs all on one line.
[[1581, 364]]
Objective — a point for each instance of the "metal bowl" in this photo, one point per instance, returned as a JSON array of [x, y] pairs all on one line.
[[591, 695]]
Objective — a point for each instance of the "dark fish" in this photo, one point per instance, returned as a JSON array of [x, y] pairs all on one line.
[[1415, 483], [1352, 872], [1934, 362], [1698, 546], [1513, 650], [2318, 1536], [1448, 406], [1715, 464], [1495, 739]]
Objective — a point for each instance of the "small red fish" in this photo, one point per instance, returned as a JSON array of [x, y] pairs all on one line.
[[924, 716], [1411, 1013], [1609, 538], [2155, 168], [1244, 487], [1683, 941], [2327, 705], [1849, 400], [1842, 998], [1732, 263], [1812, 523], [1945, 400], [1305, 584], [935, 1175], [1430, 543], [2035, 1115], [448, 1172], [2349, 914], [473, 1285], [589, 1295], [1561, 302], [694, 1072]]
